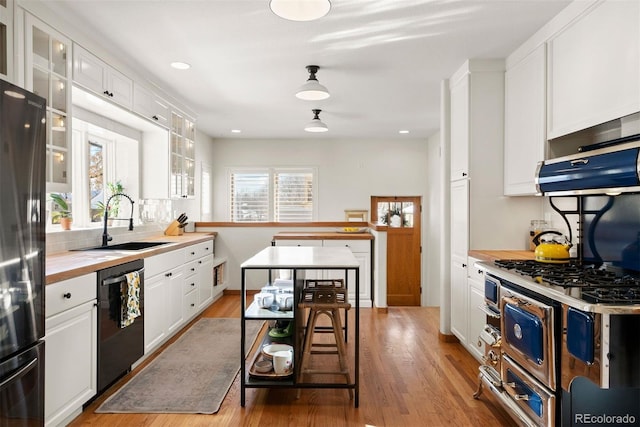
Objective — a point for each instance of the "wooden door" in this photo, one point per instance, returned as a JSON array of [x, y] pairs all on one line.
[[402, 216]]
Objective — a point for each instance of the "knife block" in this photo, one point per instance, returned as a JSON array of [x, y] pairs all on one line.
[[173, 229]]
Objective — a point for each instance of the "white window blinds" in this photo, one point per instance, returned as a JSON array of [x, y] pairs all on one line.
[[280, 195], [293, 196], [249, 197]]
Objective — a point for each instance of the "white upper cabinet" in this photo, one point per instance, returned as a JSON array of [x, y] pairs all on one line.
[[183, 152], [594, 68], [94, 74], [6, 39], [525, 130], [460, 127], [150, 106], [48, 74]]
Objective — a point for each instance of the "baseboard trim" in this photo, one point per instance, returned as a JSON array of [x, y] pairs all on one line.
[[450, 338], [382, 310]]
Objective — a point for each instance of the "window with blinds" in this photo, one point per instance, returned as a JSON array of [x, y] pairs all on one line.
[[280, 195]]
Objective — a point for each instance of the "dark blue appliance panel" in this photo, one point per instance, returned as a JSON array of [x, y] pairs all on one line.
[[609, 170], [534, 401], [525, 332], [580, 335], [491, 290]]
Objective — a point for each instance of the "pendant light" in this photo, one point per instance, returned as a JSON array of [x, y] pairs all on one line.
[[312, 90], [316, 124], [300, 10]]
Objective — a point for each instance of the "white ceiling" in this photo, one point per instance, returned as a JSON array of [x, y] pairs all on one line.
[[382, 60]]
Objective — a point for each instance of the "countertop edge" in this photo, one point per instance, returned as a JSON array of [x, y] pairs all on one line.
[[321, 235], [69, 264], [490, 255]]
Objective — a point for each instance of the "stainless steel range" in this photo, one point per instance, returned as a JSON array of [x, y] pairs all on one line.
[[557, 322]]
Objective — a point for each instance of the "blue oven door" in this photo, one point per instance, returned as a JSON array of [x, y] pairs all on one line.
[[527, 326], [525, 332]]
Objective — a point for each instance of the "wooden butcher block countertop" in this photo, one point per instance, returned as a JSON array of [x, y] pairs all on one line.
[[321, 235], [492, 255], [70, 264]]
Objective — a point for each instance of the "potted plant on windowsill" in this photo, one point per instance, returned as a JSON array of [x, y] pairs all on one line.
[[62, 214]]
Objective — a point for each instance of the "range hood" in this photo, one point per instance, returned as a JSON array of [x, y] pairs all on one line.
[[612, 168]]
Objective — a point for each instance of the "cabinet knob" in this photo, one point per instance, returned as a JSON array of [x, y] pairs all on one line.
[[193, 305], [168, 275], [464, 265], [155, 117], [67, 295], [106, 92], [199, 262], [464, 174], [193, 284]]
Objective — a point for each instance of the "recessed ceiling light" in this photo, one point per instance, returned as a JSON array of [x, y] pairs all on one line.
[[180, 65], [403, 131], [236, 131]]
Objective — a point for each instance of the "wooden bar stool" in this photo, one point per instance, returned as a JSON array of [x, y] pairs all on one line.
[[328, 301], [311, 284]]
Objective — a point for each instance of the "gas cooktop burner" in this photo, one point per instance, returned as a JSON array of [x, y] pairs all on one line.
[[597, 284]]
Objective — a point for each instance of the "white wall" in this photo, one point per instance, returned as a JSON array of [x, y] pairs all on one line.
[[349, 173], [432, 225]]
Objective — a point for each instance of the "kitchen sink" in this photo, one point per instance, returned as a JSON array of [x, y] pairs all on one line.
[[129, 246]]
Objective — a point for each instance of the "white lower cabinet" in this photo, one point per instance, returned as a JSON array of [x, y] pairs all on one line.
[[70, 347], [459, 298], [163, 284], [177, 286], [477, 318]]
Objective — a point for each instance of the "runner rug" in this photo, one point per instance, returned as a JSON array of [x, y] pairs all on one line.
[[192, 375]]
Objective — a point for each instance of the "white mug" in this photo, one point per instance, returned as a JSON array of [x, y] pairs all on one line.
[[283, 362], [263, 299], [284, 301]]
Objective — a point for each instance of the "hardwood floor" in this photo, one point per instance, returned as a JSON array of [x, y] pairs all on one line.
[[407, 378]]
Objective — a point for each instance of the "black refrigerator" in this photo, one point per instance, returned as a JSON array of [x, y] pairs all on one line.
[[22, 256]]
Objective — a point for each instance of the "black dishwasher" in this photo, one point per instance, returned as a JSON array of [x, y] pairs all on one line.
[[119, 346]]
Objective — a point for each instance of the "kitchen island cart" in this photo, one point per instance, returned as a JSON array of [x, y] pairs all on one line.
[[298, 259]]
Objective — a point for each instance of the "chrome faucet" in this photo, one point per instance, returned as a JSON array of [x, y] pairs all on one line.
[[105, 236]]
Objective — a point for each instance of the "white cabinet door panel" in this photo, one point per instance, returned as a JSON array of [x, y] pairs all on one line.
[[525, 129], [594, 68]]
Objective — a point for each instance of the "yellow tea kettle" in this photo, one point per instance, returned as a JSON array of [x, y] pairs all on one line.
[[552, 251]]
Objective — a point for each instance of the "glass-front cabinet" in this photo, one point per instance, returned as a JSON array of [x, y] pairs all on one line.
[[6, 38], [183, 152], [48, 73]]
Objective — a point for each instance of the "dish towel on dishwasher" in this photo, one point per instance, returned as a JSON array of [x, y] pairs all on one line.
[[130, 299]]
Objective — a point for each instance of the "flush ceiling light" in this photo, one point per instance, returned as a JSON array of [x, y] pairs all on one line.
[[300, 10], [312, 90], [316, 124], [180, 65]]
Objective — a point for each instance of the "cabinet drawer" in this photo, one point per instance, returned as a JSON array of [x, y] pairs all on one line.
[[354, 245], [191, 268], [190, 283], [310, 242], [198, 250], [163, 262], [473, 272], [190, 304], [67, 294]]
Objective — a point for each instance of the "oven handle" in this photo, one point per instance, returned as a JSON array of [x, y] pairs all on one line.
[[517, 396], [489, 312], [112, 280]]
